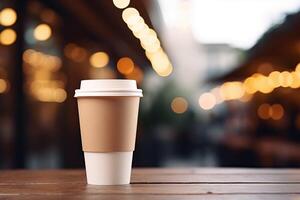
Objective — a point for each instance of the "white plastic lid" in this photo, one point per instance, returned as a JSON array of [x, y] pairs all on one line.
[[108, 87]]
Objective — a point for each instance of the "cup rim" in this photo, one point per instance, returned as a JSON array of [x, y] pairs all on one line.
[[129, 93], [87, 88]]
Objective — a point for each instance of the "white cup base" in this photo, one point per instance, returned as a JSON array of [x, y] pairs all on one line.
[[113, 168]]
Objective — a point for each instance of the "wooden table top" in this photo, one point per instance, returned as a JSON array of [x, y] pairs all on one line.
[[159, 183]]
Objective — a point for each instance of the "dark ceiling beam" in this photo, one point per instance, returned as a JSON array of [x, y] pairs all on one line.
[[79, 29]]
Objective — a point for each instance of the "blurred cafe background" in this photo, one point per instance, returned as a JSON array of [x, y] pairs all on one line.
[[220, 79]]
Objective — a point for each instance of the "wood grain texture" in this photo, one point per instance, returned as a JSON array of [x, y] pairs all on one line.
[[205, 183]]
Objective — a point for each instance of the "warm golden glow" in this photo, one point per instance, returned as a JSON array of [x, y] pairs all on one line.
[[99, 59], [257, 82], [247, 97], [264, 111], [262, 84], [42, 32], [41, 60], [296, 80], [8, 37], [232, 90], [136, 23], [137, 74], [121, 3], [60, 95], [130, 14], [287, 79], [3, 86], [150, 44], [298, 68], [141, 32], [8, 17], [161, 64], [277, 111], [275, 79], [249, 85], [207, 101], [149, 41], [48, 91], [125, 65], [179, 105], [51, 95], [165, 72]]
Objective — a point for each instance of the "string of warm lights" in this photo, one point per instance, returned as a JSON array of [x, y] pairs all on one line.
[[267, 111], [99, 60], [8, 36], [8, 17], [243, 90], [148, 38], [40, 67]]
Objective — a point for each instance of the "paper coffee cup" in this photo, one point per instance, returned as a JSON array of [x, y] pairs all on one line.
[[108, 113]]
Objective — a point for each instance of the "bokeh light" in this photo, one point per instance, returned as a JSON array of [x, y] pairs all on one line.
[[264, 111], [3, 86], [8, 37], [48, 90], [277, 111], [42, 32], [125, 65], [165, 72], [42, 61], [137, 74], [249, 85], [275, 79], [232, 90], [217, 94], [8, 17], [262, 84], [99, 59], [149, 42], [296, 80], [179, 105], [298, 68], [207, 101], [130, 14], [121, 3], [246, 98], [287, 79], [161, 64]]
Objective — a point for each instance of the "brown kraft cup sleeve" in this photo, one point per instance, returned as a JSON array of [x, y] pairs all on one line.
[[108, 124]]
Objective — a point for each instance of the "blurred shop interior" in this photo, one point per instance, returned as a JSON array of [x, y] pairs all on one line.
[[220, 79]]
